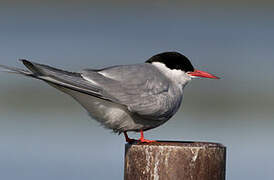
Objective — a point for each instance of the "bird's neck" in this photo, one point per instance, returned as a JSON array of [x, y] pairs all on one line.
[[177, 76]]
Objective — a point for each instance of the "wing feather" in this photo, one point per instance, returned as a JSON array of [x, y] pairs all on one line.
[[142, 88]]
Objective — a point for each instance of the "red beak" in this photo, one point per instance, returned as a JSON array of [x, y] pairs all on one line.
[[202, 74]]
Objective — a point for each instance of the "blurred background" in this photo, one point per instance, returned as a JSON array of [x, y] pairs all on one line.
[[45, 134]]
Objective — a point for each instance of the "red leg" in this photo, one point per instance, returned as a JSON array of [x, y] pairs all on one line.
[[142, 139], [127, 138]]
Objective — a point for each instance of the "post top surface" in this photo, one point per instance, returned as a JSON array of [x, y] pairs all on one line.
[[179, 143]]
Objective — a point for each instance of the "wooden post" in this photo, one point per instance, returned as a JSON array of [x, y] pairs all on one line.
[[175, 161]]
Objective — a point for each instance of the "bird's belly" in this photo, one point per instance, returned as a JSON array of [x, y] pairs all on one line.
[[110, 115]]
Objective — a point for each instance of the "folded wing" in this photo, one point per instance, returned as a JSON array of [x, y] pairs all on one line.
[[141, 88]]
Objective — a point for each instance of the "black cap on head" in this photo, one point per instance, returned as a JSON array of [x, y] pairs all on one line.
[[173, 60]]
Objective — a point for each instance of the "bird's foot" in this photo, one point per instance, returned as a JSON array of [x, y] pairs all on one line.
[[142, 138], [128, 140], [146, 140]]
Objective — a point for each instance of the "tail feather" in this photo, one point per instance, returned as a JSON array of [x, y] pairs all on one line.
[[45, 70], [15, 70], [51, 75], [30, 66]]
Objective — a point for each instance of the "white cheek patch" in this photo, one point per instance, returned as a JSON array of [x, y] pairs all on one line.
[[177, 76]]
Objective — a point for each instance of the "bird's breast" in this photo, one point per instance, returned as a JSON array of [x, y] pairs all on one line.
[[172, 102]]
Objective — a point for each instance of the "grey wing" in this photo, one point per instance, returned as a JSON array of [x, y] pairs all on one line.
[[70, 80], [141, 88]]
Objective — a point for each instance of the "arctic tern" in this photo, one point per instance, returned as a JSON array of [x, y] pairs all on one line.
[[124, 98]]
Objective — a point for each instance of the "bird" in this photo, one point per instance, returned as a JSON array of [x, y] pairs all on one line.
[[124, 98]]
